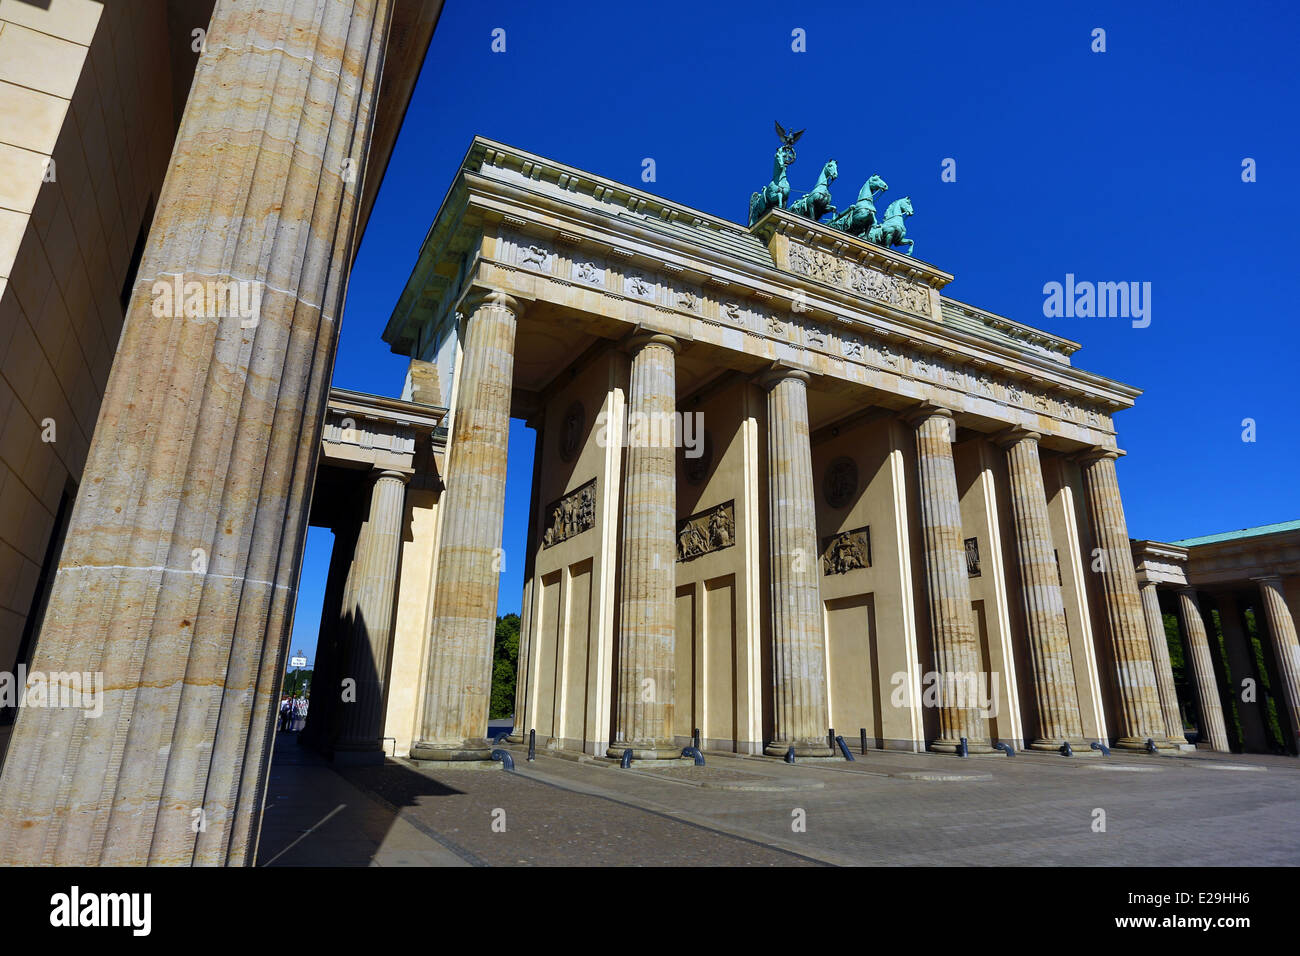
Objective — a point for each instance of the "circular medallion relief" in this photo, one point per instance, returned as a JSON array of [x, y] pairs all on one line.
[[697, 468], [840, 483], [575, 421]]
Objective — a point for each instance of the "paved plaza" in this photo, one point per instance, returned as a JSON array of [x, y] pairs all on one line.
[[1199, 809]]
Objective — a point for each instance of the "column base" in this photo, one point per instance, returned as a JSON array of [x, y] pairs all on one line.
[[1080, 746], [1139, 744], [645, 750], [469, 749], [816, 747], [945, 745]]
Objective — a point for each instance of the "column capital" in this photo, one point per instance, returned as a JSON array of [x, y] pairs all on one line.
[[1014, 435], [770, 378], [1098, 453], [924, 412], [402, 476], [641, 339], [477, 297]]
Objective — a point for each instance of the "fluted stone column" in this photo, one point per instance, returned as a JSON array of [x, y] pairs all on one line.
[[952, 628], [1140, 716], [1049, 640], [462, 629], [1197, 645], [178, 579], [1160, 661], [802, 712], [647, 624], [372, 596], [1286, 649]]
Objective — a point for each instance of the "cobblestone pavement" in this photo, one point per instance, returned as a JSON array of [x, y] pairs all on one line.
[[883, 809]]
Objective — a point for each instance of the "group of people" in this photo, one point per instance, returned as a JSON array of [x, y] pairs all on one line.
[[293, 713]]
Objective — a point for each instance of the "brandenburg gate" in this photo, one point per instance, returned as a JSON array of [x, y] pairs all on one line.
[[782, 483]]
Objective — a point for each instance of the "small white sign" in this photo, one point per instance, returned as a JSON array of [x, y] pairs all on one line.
[[297, 662]]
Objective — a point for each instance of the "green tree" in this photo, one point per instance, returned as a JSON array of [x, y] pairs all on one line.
[[505, 661]]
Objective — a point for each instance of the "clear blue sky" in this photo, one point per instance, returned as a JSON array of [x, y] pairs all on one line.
[[1116, 166]]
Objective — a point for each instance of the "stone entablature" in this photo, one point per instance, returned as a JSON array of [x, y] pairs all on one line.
[[512, 229], [372, 430], [1157, 563]]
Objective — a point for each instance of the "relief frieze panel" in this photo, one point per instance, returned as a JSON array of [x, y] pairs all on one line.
[[706, 532], [569, 516], [847, 551], [864, 281]]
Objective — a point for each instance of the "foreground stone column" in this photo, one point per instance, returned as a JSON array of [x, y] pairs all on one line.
[[646, 622], [178, 579], [1140, 716], [369, 610], [952, 628], [1197, 645], [802, 712], [463, 626], [1286, 648], [1160, 661], [1049, 641]]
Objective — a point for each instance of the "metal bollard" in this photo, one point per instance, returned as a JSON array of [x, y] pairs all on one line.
[[962, 749], [789, 754], [1098, 745], [1151, 746], [695, 739], [500, 737], [627, 759], [863, 734], [844, 748], [532, 745], [507, 761], [830, 739], [694, 752], [1006, 748], [1066, 749]]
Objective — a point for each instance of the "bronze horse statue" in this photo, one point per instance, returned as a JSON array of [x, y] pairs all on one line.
[[818, 202], [858, 219], [892, 230]]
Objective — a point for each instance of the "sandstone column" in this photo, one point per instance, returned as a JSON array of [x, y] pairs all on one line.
[[1286, 649], [647, 624], [1160, 660], [178, 579], [1049, 641], [1140, 716], [1197, 645], [373, 593], [798, 638], [463, 627], [952, 629]]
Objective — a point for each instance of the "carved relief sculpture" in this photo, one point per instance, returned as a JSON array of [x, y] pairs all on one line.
[[847, 551], [706, 532], [570, 515]]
